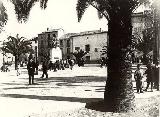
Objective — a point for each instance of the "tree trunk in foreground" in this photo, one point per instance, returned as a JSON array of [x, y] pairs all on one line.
[[119, 94]]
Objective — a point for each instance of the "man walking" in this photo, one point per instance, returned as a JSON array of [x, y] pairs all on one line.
[[138, 78], [45, 69], [31, 69]]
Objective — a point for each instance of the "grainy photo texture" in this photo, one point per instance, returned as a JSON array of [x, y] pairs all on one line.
[[79, 58]]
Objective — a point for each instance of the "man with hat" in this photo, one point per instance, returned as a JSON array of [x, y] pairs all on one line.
[[31, 69]]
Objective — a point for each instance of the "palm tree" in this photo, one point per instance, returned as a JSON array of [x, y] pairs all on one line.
[[79, 57], [3, 16], [119, 94], [17, 46]]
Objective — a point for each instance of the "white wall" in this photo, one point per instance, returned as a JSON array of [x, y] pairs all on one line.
[[94, 40]]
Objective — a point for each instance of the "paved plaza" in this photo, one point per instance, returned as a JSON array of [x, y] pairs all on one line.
[[64, 91]]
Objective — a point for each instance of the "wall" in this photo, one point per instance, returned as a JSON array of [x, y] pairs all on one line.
[[94, 40], [43, 45]]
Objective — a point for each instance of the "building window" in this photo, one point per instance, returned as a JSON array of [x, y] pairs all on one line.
[[77, 48], [68, 43], [68, 50], [87, 48], [96, 49]]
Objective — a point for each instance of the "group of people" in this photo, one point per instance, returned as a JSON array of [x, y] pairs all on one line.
[[58, 65], [103, 62], [61, 64], [151, 74]]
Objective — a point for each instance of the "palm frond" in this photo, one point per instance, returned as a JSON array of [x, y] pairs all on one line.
[[43, 4], [82, 5], [23, 8], [3, 16], [108, 7]]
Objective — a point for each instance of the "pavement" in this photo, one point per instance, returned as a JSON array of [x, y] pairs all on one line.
[[64, 91]]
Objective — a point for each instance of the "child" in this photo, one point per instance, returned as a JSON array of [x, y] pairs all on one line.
[[138, 78]]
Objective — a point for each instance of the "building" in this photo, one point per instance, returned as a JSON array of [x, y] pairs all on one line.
[[138, 24], [34, 45], [65, 44], [46, 42], [91, 42]]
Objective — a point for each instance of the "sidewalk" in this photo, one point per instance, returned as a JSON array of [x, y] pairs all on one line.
[[64, 91]]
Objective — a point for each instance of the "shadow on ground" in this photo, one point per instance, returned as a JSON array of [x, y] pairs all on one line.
[[76, 79], [60, 81], [54, 98]]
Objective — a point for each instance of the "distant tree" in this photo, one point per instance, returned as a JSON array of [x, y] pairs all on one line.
[[17, 46], [146, 42], [79, 55]]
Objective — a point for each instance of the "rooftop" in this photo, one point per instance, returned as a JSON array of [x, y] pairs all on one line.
[[68, 35]]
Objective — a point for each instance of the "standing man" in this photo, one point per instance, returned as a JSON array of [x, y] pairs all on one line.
[[31, 69], [44, 69], [138, 78], [149, 73], [70, 63], [156, 76]]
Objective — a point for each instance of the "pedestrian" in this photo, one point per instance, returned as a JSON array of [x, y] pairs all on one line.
[[55, 67], [44, 69], [50, 66], [70, 63], [156, 76], [138, 78], [31, 69], [18, 69], [37, 64], [62, 65], [102, 62], [149, 73]]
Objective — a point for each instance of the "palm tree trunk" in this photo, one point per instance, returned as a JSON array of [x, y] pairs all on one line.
[[119, 94], [16, 62]]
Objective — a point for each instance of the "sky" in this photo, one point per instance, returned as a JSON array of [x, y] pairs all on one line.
[[58, 14]]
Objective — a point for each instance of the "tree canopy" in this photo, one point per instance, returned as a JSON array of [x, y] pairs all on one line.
[[107, 8], [17, 45]]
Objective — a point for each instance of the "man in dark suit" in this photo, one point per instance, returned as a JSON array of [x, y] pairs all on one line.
[[45, 69], [31, 69]]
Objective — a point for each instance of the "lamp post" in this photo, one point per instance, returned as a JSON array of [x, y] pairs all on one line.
[[3, 58], [36, 58]]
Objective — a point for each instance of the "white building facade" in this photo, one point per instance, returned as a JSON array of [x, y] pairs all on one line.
[[91, 42]]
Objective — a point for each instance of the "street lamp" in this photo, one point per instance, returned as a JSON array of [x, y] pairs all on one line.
[[3, 58], [36, 58]]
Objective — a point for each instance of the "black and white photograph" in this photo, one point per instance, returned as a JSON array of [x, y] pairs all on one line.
[[79, 58]]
